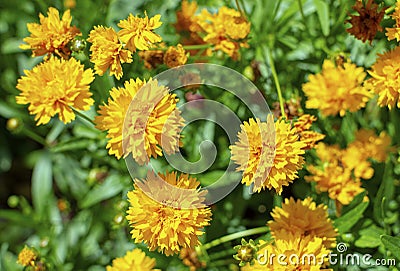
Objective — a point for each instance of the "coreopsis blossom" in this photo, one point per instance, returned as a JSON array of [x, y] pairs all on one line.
[[305, 218], [374, 146], [52, 35], [27, 257], [394, 32], [338, 174], [337, 89], [185, 18], [175, 56], [385, 79], [366, 23], [153, 120], [227, 30], [291, 244], [137, 33], [107, 51], [309, 137], [152, 58], [134, 260], [167, 214], [53, 87], [269, 155]]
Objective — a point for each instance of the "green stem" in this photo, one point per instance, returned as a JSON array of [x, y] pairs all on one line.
[[389, 10], [234, 236], [277, 200], [222, 254], [33, 135], [302, 12], [197, 46], [276, 80], [238, 6], [83, 116]]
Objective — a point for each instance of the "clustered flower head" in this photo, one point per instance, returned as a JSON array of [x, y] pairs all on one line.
[[134, 260], [384, 79], [27, 257], [175, 56], [55, 87], [340, 171], [52, 35], [268, 154], [366, 23], [107, 51], [394, 32], [306, 135], [337, 89], [298, 228], [167, 212], [139, 118]]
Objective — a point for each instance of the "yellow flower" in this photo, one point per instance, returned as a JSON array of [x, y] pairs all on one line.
[[168, 214], [374, 147], [226, 29], [137, 33], [305, 218], [175, 56], [339, 173], [385, 79], [152, 58], [52, 35], [394, 33], [153, 119], [292, 252], [53, 87], [303, 125], [134, 260], [27, 257], [107, 51], [337, 89], [185, 18], [260, 151]]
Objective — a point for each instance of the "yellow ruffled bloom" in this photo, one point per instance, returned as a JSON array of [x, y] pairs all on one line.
[[385, 79], [226, 29], [107, 51], [153, 119], [167, 214], [52, 35], [175, 56], [337, 89], [268, 156], [27, 257], [394, 32], [134, 260], [303, 218], [53, 87], [137, 33], [303, 126], [339, 172], [291, 244], [373, 146]]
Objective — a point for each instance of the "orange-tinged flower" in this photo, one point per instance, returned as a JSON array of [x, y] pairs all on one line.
[[52, 35], [152, 58], [226, 29], [175, 56], [190, 258], [186, 17], [394, 32], [137, 33], [269, 155], [385, 79], [337, 89], [134, 260], [167, 214], [107, 52], [53, 87], [303, 125], [373, 146], [303, 218], [140, 129], [366, 24]]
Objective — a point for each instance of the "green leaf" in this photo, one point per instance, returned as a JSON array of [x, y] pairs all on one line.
[[348, 220], [111, 187], [384, 194], [370, 237], [42, 182], [323, 15], [392, 244]]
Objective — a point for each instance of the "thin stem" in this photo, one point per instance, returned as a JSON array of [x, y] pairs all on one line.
[[186, 47], [222, 254], [389, 10], [234, 236], [33, 135], [83, 116], [276, 80], [302, 12]]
